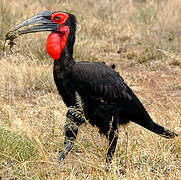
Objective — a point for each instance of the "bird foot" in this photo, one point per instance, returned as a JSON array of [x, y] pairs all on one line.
[[76, 113]]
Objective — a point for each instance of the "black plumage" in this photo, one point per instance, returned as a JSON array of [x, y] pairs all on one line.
[[106, 99]]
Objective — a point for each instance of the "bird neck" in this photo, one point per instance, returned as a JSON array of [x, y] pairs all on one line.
[[65, 62]]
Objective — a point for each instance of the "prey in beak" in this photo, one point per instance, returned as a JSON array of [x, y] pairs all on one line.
[[39, 23]]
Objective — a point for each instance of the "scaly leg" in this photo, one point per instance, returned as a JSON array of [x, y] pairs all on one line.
[[74, 118], [70, 133], [113, 138]]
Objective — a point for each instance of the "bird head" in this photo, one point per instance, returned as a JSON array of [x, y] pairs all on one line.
[[62, 26]]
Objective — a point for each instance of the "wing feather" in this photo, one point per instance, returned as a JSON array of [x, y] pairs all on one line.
[[100, 81]]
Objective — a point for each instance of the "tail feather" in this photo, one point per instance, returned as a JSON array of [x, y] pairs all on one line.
[[166, 133], [156, 128], [139, 115]]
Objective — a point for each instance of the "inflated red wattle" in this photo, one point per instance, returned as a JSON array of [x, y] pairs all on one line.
[[53, 45], [56, 42]]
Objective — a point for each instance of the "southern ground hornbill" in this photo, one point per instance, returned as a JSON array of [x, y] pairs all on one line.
[[91, 91]]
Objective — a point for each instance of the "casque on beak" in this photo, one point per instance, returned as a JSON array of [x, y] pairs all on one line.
[[41, 22]]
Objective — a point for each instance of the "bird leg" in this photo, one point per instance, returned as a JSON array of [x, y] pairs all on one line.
[[74, 118], [113, 138], [70, 133]]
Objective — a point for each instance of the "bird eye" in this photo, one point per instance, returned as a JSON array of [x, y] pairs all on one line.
[[56, 18]]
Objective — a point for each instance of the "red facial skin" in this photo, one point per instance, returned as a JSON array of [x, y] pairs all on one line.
[[56, 41]]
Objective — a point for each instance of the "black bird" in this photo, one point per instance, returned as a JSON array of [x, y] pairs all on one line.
[[91, 90]]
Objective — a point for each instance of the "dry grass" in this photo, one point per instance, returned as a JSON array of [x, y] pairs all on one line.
[[143, 39]]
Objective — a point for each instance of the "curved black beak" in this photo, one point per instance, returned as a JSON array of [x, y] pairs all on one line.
[[41, 22]]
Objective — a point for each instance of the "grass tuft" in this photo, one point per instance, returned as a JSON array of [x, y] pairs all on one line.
[[18, 148]]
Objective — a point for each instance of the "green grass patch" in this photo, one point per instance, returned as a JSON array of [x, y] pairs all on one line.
[[14, 147]]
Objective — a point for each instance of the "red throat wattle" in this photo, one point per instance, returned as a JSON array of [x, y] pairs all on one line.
[[56, 42]]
